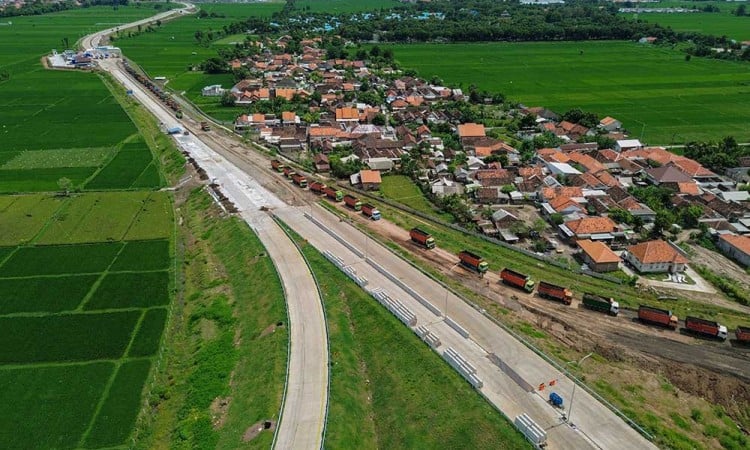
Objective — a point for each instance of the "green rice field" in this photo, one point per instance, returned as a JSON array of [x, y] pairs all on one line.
[[85, 275], [718, 24], [659, 97]]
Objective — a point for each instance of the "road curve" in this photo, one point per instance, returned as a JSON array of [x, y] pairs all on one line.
[[304, 410]]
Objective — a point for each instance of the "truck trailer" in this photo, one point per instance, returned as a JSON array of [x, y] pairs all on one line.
[[205, 126], [317, 187], [517, 280], [743, 334], [333, 194], [277, 165], [657, 316], [288, 171], [371, 211], [299, 180], [422, 238], [705, 327], [352, 202], [599, 303], [473, 261], [554, 292]]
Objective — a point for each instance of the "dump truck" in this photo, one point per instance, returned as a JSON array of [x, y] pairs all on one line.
[[333, 194], [518, 280], [352, 202], [657, 316], [277, 165], [743, 334], [705, 327], [554, 292], [473, 261], [317, 187], [422, 238], [371, 211], [288, 171], [205, 126], [299, 180], [599, 303]]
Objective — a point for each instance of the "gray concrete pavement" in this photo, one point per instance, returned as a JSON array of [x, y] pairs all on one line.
[[304, 410]]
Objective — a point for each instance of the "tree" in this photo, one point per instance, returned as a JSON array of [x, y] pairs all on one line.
[[214, 65], [379, 119], [740, 11], [519, 228], [557, 218], [227, 99], [65, 185], [539, 225]]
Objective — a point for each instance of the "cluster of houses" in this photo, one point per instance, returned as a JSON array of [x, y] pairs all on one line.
[[576, 185], [71, 59]]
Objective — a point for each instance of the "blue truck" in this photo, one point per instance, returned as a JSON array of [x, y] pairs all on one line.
[[555, 400]]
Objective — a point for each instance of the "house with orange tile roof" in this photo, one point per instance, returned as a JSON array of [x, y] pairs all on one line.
[[347, 114], [288, 117], [598, 256], [370, 180], [655, 257], [736, 247], [594, 228], [471, 130], [610, 124]]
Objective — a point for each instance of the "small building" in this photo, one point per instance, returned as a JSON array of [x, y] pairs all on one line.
[[656, 256], [370, 180], [215, 90], [467, 130], [598, 256], [628, 144], [321, 163], [594, 228], [610, 124], [380, 163], [736, 247]]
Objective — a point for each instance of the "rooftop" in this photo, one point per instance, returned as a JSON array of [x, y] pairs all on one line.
[[657, 251], [741, 243], [598, 252]]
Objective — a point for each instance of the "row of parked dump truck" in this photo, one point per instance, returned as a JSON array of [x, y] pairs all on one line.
[[476, 263], [331, 193], [646, 314]]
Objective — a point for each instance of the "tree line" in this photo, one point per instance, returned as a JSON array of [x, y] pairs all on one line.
[[38, 7]]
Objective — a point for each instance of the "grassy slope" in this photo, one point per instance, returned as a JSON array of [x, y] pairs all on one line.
[[388, 389], [658, 95], [401, 189]]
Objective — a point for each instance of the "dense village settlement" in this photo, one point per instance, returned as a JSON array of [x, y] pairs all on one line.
[[613, 200]]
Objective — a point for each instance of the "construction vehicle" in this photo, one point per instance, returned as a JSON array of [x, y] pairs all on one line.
[[517, 279], [371, 211], [288, 171], [473, 262], [317, 187], [277, 165], [352, 202], [657, 316], [554, 292], [299, 180], [205, 126], [705, 327], [598, 303], [333, 194], [422, 238], [743, 334]]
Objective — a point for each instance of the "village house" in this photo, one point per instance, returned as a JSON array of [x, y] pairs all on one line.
[[215, 90], [736, 247], [655, 257], [598, 256], [321, 163], [610, 124], [594, 228], [370, 180]]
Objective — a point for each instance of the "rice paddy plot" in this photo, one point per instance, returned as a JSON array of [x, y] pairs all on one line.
[[104, 335], [130, 290], [64, 157], [142, 256], [667, 99], [23, 216], [718, 24], [146, 341], [50, 407], [42, 180], [60, 259], [117, 415], [44, 294], [124, 169], [155, 219], [103, 216]]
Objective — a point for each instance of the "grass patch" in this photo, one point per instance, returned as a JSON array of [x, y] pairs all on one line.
[[61, 399], [155, 220], [64, 157], [117, 415], [24, 216], [51, 338], [403, 190], [146, 341], [131, 290], [414, 392], [44, 294], [734, 290]]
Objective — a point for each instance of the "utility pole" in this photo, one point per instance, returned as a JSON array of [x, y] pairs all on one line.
[[572, 396]]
